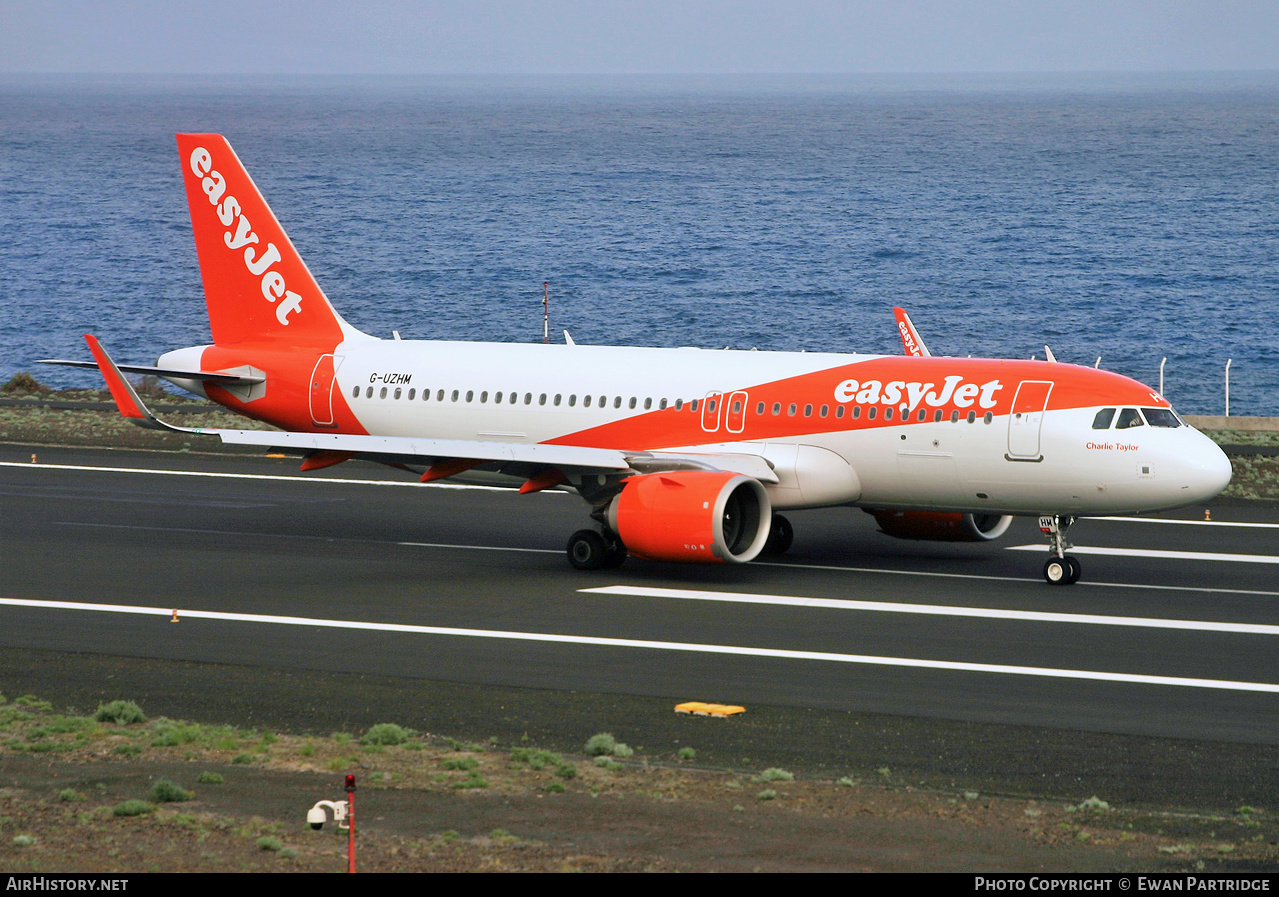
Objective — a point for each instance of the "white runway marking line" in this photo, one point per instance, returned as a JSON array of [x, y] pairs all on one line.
[[1186, 522], [1158, 553], [264, 476], [304, 536], [940, 610], [778, 653]]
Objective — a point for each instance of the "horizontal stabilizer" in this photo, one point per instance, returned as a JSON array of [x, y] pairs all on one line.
[[218, 377]]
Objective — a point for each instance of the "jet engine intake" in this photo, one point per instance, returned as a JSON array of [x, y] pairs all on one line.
[[937, 526], [697, 516]]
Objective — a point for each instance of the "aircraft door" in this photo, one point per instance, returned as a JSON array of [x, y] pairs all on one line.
[[322, 385], [735, 413], [711, 411], [1026, 419]]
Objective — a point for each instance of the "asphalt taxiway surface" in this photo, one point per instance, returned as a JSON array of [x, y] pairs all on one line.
[[354, 596]]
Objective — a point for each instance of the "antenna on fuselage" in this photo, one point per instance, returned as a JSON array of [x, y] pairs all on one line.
[[546, 311]]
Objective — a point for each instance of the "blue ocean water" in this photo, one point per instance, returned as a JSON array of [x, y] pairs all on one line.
[[1131, 218]]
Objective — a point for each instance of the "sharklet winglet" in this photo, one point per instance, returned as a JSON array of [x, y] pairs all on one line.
[[911, 341], [126, 397]]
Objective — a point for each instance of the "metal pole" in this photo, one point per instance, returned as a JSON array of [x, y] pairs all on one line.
[[350, 823], [1162, 362], [1228, 360]]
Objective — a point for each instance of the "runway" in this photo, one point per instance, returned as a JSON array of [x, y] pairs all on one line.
[[1171, 633]]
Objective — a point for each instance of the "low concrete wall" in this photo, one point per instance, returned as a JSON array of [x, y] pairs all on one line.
[[1234, 422]]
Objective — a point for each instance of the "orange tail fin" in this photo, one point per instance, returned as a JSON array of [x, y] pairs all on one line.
[[256, 286]]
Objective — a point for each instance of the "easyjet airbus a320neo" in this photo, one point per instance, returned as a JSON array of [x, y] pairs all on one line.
[[681, 454]]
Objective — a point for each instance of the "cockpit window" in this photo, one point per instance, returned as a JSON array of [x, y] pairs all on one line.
[[1161, 417], [1103, 419], [1129, 417]]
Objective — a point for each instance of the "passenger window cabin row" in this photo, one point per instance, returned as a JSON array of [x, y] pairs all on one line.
[[513, 398], [633, 403]]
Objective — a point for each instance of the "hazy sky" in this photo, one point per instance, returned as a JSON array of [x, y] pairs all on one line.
[[614, 36]]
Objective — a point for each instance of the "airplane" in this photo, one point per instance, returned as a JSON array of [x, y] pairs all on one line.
[[682, 454]]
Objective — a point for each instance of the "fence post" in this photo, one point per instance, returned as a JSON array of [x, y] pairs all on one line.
[[1228, 360]]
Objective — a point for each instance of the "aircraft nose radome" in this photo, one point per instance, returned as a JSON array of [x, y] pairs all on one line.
[[1206, 470]]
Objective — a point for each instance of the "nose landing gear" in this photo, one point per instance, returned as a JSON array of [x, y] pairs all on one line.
[[1060, 569]]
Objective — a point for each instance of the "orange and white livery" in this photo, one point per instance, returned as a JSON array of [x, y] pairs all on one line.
[[681, 454]]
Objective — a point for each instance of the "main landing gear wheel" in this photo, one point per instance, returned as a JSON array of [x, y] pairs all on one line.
[[1063, 571], [589, 550], [780, 536]]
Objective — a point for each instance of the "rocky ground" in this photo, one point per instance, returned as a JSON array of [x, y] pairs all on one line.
[[108, 791]]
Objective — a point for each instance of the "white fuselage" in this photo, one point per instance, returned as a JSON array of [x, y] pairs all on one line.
[[579, 394]]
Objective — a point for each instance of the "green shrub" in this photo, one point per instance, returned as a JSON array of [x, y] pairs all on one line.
[[386, 733], [210, 778], [473, 747], [566, 771], [61, 725], [776, 774], [270, 842], [23, 382], [536, 758], [461, 763], [34, 703], [132, 808], [622, 750], [169, 733], [602, 743], [473, 780], [687, 753], [165, 792], [23, 840], [70, 794], [766, 794], [122, 713]]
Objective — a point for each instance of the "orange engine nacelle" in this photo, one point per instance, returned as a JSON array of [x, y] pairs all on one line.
[[698, 516], [942, 527]]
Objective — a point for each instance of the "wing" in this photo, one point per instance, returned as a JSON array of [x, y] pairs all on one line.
[[543, 466]]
